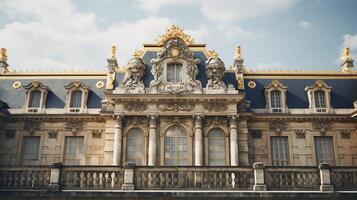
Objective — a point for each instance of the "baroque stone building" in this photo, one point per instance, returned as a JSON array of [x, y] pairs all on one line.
[[176, 118]]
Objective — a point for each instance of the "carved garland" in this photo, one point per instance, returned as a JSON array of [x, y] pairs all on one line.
[[216, 107], [176, 106], [278, 126], [74, 126], [135, 106], [322, 126]]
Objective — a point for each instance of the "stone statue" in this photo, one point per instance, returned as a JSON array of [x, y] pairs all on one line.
[[133, 80], [238, 53], [215, 72]]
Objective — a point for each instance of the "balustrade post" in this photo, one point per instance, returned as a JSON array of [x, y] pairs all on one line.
[[259, 184], [128, 176], [325, 177], [55, 176]]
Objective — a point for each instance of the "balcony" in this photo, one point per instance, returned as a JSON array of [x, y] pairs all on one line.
[[141, 182]]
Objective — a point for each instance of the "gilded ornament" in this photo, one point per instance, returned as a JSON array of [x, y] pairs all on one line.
[[175, 52], [212, 54], [275, 83], [138, 53], [175, 32], [238, 52], [16, 84], [320, 83], [114, 52], [252, 84], [3, 54], [99, 84]]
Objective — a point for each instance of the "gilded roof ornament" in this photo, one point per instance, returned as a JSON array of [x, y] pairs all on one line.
[[212, 54], [238, 52], [3, 54], [320, 83], [275, 83], [138, 53], [346, 55], [175, 32], [114, 52]]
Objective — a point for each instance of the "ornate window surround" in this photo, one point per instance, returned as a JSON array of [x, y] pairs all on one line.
[[36, 86], [75, 86], [275, 85], [322, 86]]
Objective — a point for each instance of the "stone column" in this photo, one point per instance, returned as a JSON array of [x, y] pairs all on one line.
[[325, 177], [233, 140], [152, 141], [259, 184], [198, 141], [117, 141]]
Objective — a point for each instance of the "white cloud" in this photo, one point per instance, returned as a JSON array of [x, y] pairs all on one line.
[[68, 39], [305, 24], [270, 65], [350, 41], [223, 10]]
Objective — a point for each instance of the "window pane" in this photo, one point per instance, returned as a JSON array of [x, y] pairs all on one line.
[[31, 150], [74, 150], [174, 72], [275, 99], [324, 149], [320, 100], [76, 99], [135, 146], [216, 155], [176, 153], [35, 97], [279, 150]]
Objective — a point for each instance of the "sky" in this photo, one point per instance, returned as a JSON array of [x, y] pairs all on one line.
[[76, 35]]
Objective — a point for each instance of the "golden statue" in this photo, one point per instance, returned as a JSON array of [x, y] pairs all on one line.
[[114, 51], [3, 55], [238, 53], [345, 54]]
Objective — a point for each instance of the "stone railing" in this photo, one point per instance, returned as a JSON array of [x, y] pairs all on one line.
[[25, 177], [129, 177]]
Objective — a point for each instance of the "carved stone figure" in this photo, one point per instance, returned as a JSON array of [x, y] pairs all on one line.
[[175, 50], [215, 72], [133, 80]]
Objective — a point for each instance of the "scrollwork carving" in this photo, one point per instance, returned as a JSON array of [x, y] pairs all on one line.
[[216, 106], [97, 133], [52, 133], [135, 120], [216, 121], [74, 126], [176, 106], [135, 106], [32, 126], [278, 126], [322, 126]]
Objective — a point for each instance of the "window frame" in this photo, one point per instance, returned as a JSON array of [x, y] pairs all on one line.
[[38, 162], [175, 65], [225, 143], [126, 153], [72, 87], [36, 86], [188, 143], [319, 85], [332, 150], [64, 157], [275, 85], [287, 151]]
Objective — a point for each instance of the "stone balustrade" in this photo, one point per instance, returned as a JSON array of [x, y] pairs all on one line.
[[130, 177]]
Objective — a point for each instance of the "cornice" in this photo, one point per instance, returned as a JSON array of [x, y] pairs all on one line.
[[301, 117], [54, 118]]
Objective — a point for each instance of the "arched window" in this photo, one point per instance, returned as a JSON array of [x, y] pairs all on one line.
[[320, 100], [135, 146], [35, 99], [176, 147], [76, 99], [174, 72], [216, 153], [275, 100]]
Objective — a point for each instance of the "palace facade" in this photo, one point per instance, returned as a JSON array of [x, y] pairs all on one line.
[[178, 122]]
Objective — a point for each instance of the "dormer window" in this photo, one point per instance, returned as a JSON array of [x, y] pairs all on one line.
[[174, 72], [77, 95], [275, 96], [319, 97], [36, 95]]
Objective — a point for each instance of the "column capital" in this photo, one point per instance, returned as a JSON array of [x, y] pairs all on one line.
[[198, 120], [153, 120], [233, 120], [119, 121]]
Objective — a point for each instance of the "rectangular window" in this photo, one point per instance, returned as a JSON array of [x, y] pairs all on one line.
[[324, 149], [174, 72], [279, 150], [31, 147], [74, 150], [275, 100], [320, 101]]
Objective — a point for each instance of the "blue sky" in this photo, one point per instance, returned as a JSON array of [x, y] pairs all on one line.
[[274, 34]]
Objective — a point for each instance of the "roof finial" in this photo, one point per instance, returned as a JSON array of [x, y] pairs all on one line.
[[114, 52], [238, 53], [346, 53], [3, 55], [346, 61]]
